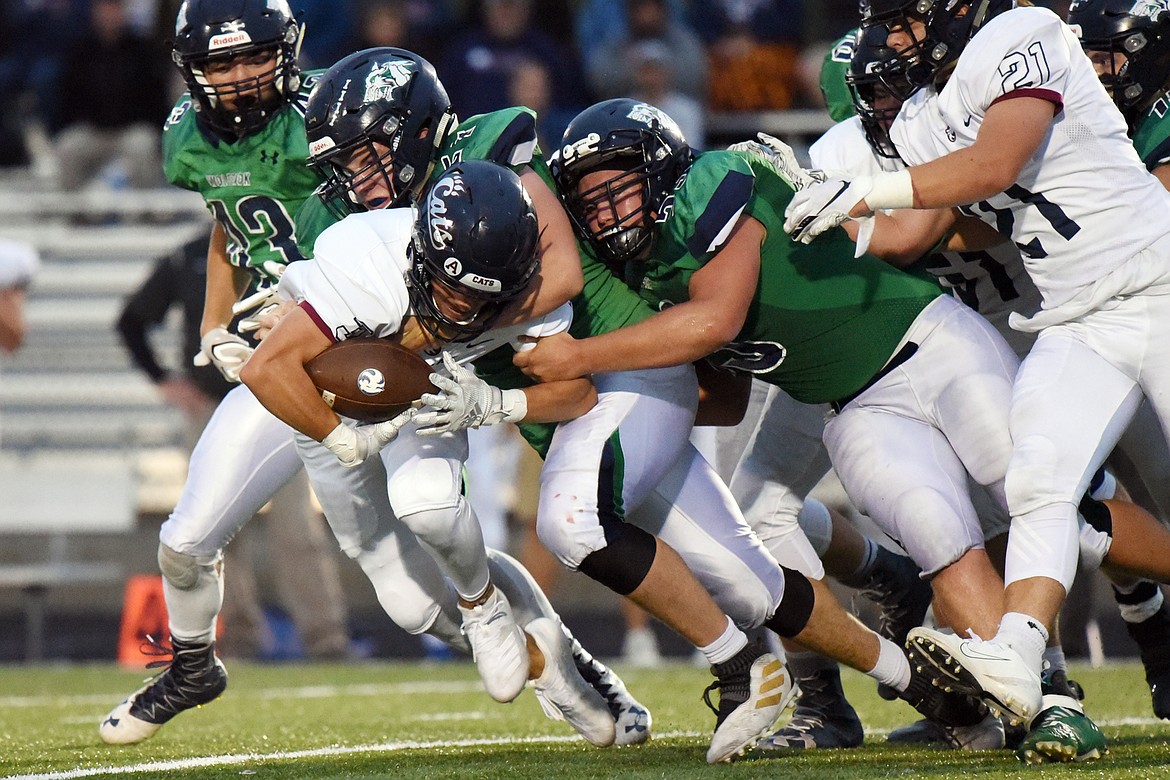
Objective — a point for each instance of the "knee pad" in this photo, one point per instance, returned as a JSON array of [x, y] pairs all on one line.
[[179, 569], [795, 608], [624, 562], [406, 601], [933, 528], [436, 522], [817, 524]]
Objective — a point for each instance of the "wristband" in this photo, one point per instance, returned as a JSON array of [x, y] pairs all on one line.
[[514, 405], [891, 190]]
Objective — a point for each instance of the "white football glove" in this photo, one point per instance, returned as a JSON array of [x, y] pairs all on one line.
[[226, 351], [260, 303], [466, 401], [781, 157], [354, 444], [827, 204]]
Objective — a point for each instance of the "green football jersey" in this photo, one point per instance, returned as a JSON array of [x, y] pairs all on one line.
[[838, 98], [821, 323], [1151, 138], [508, 137], [253, 185]]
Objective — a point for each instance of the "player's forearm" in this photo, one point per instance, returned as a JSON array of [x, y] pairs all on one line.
[[558, 401], [280, 383], [223, 284], [677, 335]]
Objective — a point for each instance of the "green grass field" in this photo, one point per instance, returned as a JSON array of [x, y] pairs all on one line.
[[408, 720]]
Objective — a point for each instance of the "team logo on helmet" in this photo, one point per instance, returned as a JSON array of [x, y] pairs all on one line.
[[844, 48], [371, 381], [1150, 8], [385, 77], [648, 115], [438, 223]]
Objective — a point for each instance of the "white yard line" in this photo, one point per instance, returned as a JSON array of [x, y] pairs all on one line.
[[178, 765]]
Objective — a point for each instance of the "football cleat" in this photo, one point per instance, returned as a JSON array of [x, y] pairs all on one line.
[[497, 645], [193, 677], [988, 734], [991, 671], [939, 699], [754, 688], [822, 719], [562, 692], [895, 585], [1062, 733], [1152, 636], [632, 721]]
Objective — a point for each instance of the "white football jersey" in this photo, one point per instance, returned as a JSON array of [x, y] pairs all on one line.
[[355, 285], [1084, 204], [993, 281]]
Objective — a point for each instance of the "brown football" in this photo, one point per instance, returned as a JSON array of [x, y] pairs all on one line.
[[369, 379]]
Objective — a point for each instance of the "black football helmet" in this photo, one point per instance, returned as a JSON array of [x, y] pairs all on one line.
[[947, 30], [384, 96], [1122, 27], [876, 71], [209, 30], [620, 135], [476, 233]]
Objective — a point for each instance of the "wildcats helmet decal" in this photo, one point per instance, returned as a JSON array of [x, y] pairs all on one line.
[[1150, 8], [438, 223], [385, 77]]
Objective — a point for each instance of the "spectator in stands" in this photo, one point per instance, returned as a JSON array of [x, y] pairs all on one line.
[[652, 64], [113, 98], [333, 24], [18, 262], [609, 70], [598, 22], [384, 23], [531, 86], [478, 65], [301, 554], [33, 37], [754, 47]]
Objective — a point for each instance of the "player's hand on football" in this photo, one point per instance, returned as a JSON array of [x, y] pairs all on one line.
[[466, 401], [781, 157], [551, 358], [353, 445], [226, 351]]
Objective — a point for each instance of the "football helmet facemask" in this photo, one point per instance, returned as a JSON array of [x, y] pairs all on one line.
[[208, 32], [1112, 27], [475, 234], [377, 117], [949, 25], [877, 80], [636, 139]]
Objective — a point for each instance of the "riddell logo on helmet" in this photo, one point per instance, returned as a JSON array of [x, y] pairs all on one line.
[[321, 145], [228, 39]]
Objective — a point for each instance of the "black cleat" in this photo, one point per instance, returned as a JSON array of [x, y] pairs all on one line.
[[896, 587], [193, 677], [1152, 636]]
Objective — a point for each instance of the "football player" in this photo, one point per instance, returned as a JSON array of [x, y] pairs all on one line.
[[700, 240], [238, 138], [631, 449], [1015, 146]]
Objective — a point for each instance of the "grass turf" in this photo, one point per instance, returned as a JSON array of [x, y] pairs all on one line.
[[407, 720]]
